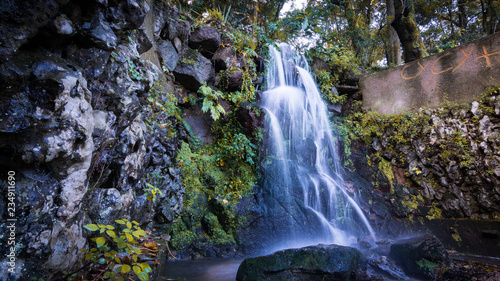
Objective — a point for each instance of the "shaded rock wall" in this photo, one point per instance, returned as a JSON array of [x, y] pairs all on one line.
[[76, 128]]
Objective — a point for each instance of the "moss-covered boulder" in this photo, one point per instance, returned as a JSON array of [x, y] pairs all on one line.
[[321, 262]]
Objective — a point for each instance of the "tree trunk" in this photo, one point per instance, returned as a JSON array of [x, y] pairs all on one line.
[[393, 47], [462, 17], [407, 29]]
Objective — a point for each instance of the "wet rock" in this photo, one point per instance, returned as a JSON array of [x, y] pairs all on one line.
[[250, 120], [128, 15], [98, 32], [309, 263], [225, 58], [387, 267], [20, 21], [168, 54], [175, 28], [319, 64], [199, 125], [234, 80], [142, 40], [420, 255], [92, 60], [206, 40], [193, 70]]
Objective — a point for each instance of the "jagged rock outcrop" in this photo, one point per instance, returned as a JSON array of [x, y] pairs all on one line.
[[206, 40], [75, 126], [193, 70]]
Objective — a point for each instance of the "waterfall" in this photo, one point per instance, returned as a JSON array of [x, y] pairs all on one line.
[[301, 167]]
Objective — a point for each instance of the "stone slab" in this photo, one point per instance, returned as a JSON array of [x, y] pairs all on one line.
[[460, 74]]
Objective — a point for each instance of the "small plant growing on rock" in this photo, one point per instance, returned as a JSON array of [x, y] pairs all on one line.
[[211, 101], [116, 253]]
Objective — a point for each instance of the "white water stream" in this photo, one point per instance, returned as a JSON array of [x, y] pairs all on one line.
[[301, 146]]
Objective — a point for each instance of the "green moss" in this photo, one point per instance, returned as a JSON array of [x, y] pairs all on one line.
[[386, 168], [326, 81], [434, 213], [456, 237], [427, 266], [216, 178]]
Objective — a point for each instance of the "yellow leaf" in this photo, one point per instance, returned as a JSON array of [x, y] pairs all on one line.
[[111, 233], [129, 237], [137, 269], [125, 268], [100, 241]]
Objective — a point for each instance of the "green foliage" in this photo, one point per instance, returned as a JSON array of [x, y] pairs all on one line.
[[132, 70], [327, 82], [161, 106], [427, 265], [216, 177], [211, 102], [116, 253], [151, 192]]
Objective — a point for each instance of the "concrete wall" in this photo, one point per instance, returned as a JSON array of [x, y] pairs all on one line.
[[459, 74]]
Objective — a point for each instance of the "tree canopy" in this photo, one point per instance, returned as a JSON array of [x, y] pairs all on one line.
[[365, 33]]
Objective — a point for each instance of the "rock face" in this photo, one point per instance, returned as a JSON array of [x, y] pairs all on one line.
[[420, 255], [73, 114], [433, 164], [193, 70], [206, 39], [310, 263]]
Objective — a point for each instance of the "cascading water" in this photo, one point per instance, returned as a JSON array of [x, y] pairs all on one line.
[[302, 171]]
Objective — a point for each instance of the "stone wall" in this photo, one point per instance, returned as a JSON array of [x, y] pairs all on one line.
[[458, 75]]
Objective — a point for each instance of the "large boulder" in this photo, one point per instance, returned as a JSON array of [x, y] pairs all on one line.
[[206, 40], [98, 33], [420, 255], [168, 54], [309, 263], [225, 58], [193, 70]]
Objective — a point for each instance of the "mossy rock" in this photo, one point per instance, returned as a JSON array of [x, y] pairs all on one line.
[[321, 262]]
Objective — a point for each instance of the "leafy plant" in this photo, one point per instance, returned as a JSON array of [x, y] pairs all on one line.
[[151, 192], [116, 253], [211, 101], [132, 70]]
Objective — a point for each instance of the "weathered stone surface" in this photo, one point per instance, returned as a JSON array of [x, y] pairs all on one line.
[[234, 80], [99, 33], [225, 58], [193, 70], [144, 44], [175, 29], [206, 40], [20, 21], [310, 263], [199, 125], [168, 54], [458, 74], [75, 165], [420, 255]]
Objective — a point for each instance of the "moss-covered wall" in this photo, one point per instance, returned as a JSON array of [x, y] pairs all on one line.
[[430, 164]]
